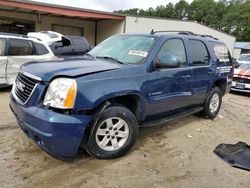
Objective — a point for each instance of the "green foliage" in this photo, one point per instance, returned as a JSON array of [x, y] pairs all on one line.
[[231, 16]]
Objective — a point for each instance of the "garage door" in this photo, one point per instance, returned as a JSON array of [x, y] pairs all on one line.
[[67, 30]]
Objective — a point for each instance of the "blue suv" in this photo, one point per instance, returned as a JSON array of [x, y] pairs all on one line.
[[99, 101]]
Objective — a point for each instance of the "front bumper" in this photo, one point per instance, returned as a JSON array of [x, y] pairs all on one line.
[[242, 87], [58, 134]]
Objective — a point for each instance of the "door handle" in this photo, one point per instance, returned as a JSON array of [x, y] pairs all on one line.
[[183, 77], [186, 76]]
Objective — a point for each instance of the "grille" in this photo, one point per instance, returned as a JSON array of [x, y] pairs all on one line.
[[242, 80], [24, 87]]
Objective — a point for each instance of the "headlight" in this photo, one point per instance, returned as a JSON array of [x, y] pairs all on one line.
[[61, 93]]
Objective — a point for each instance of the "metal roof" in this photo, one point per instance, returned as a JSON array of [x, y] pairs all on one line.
[[56, 10], [241, 45]]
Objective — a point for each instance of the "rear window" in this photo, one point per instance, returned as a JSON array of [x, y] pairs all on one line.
[[2, 46], [40, 49], [20, 47], [221, 52]]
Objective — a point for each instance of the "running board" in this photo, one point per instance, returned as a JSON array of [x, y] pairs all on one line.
[[172, 117]]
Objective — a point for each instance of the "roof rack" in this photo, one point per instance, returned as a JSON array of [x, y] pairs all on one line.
[[172, 31], [14, 34], [183, 33], [209, 36]]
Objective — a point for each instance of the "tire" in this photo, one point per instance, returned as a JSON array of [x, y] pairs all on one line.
[[213, 103], [114, 133]]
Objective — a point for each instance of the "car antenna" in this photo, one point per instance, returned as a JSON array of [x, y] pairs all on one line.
[[152, 32]]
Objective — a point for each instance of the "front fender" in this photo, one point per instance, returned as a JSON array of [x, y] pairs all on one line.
[[92, 91]]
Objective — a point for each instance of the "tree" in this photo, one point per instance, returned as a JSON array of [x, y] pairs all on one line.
[[181, 10], [203, 11], [231, 16]]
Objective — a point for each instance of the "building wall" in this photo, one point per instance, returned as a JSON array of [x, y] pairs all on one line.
[[142, 24], [237, 52], [106, 28], [87, 26], [46, 22]]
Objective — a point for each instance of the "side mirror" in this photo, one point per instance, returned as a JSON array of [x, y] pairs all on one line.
[[167, 61]]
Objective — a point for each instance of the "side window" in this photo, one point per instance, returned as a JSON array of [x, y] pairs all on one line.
[[199, 53], [20, 47], [221, 52], [174, 47], [2, 46], [40, 49]]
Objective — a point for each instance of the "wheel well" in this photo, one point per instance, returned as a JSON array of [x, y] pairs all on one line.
[[132, 102], [222, 84]]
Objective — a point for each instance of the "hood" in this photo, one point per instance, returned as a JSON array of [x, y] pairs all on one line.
[[69, 67], [241, 72]]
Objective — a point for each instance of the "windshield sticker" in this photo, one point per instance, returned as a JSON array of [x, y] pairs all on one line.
[[138, 53]]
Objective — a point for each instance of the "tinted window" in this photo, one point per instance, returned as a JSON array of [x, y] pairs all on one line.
[[40, 49], [20, 47], [176, 48], [2, 47], [199, 52]]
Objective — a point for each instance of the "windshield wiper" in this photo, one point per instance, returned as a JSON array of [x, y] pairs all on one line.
[[110, 58], [88, 54]]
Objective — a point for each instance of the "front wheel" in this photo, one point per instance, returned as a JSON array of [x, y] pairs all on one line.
[[114, 133], [213, 103]]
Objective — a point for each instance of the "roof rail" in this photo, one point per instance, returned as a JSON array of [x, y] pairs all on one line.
[[183, 33], [209, 36], [14, 34], [172, 31]]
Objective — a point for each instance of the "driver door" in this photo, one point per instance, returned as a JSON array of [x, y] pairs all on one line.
[[169, 89]]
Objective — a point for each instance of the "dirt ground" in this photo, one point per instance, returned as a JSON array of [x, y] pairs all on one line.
[[178, 154]]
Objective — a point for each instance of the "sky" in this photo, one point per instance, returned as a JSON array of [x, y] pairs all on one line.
[[111, 5]]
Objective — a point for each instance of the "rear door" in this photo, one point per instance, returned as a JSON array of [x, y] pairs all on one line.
[[202, 69], [169, 89], [3, 61]]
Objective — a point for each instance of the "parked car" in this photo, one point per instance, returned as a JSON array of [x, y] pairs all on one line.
[[99, 101], [63, 45], [241, 79], [244, 58], [16, 50]]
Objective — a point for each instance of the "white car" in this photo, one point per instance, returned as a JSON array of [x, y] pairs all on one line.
[[241, 79], [244, 58], [62, 45], [16, 50]]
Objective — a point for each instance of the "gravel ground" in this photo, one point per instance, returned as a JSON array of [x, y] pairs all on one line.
[[177, 154]]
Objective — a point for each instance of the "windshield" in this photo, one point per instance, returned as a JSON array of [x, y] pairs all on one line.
[[244, 58], [245, 66], [126, 49]]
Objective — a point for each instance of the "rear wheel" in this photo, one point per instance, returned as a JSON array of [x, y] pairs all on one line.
[[114, 133], [213, 103]]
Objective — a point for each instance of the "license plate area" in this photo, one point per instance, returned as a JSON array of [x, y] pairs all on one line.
[[240, 86]]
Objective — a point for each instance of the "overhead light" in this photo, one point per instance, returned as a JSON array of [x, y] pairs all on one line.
[[19, 25]]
